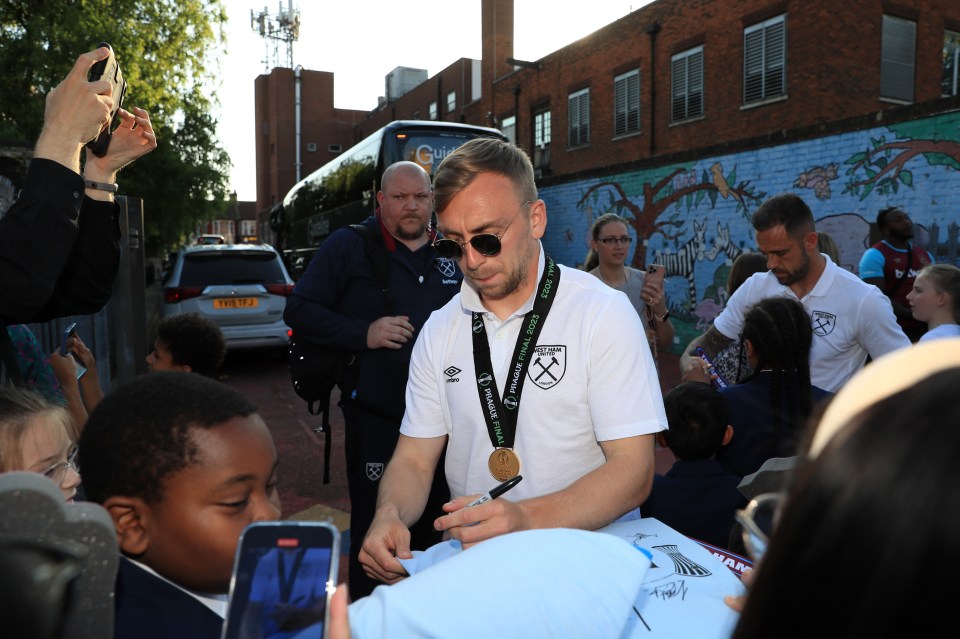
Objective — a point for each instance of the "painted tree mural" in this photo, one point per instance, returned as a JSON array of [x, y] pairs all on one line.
[[882, 166], [680, 189]]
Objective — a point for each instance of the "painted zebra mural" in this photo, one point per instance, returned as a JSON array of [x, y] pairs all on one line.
[[725, 245], [684, 261]]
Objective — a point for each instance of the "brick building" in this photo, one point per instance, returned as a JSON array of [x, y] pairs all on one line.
[[683, 115], [674, 77], [294, 112], [237, 223]]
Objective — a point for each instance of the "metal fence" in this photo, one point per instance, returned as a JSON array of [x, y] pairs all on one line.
[[117, 334]]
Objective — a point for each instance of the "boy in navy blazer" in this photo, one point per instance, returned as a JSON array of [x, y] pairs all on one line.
[[182, 463], [697, 496]]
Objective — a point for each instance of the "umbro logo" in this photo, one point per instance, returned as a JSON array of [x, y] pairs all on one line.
[[451, 372]]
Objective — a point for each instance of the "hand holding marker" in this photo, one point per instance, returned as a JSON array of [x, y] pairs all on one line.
[[495, 492]]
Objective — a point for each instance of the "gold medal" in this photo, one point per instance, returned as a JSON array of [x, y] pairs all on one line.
[[504, 464]]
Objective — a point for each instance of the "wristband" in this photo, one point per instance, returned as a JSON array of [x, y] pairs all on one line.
[[101, 186], [664, 317]]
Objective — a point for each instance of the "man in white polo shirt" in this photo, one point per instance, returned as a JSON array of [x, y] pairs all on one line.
[[534, 369], [851, 319]]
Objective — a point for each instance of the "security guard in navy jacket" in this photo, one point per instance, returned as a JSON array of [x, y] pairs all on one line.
[[339, 302]]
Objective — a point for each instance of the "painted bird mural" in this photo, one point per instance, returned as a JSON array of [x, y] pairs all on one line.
[[818, 178], [721, 183]]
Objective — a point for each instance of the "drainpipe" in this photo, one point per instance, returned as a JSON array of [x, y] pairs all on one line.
[[296, 118], [516, 113], [652, 31]]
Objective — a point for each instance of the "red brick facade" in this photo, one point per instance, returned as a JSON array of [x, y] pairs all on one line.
[[321, 126], [832, 75]]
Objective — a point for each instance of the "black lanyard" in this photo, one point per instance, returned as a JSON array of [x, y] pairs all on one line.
[[287, 581], [503, 431]]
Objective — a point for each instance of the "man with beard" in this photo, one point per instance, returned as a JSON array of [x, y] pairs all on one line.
[[339, 302], [534, 370], [893, 264], [851, 319]]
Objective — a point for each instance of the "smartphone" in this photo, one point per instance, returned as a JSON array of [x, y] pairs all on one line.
[[718, 381], [655, 273], [108, 69], [64, 339], [284, 574]]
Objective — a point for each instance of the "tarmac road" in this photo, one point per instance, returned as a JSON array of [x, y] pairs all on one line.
[[263, 377]]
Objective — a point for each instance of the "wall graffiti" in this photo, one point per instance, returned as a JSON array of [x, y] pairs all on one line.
[[696, 216]]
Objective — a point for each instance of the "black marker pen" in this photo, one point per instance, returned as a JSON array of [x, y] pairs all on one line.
[[495, 492]]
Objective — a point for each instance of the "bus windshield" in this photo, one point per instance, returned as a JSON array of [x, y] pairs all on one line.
[[426, 148], [343, 191]]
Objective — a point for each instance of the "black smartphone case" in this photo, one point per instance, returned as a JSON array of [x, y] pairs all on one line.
[[107, 69]]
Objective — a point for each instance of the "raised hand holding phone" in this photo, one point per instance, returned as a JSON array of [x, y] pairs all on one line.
[[68, 332], [656, 273], [108, 69]]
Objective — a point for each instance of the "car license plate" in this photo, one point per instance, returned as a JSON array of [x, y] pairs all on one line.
[[235, 302]]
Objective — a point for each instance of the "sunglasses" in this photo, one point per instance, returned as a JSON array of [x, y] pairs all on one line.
[[486, 244]]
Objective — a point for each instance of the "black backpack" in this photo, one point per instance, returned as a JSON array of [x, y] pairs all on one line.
[[316, 369]]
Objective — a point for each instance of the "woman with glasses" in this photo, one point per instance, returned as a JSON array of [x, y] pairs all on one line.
[[34, 437], [609, 247]]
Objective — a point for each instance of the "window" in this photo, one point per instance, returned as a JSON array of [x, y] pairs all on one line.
[[765, 60], [508, 126], [896, 58], [451, 101], [206, 268], [686, 84], [626, 103], [578, 114], [433, 110], [541, 129], [951, 64]]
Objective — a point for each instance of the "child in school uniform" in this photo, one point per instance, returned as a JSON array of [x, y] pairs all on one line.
[[182, 464], [697, 496]]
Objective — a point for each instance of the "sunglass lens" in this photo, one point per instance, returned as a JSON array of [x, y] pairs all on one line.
[[486, 244], [448, 249]]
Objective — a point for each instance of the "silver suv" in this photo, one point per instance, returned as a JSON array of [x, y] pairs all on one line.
[[241, 287]]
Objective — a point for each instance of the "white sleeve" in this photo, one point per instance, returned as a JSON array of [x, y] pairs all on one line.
[[877, 330], [624, 393], [424, 412], [730, 320]]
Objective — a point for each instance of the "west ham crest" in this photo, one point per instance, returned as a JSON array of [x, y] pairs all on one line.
[[374, 470], [823, 323], [548, 365], [446, 267]]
